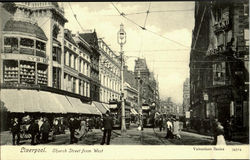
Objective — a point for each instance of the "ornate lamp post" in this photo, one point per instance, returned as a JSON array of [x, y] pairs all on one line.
[[121, 39]]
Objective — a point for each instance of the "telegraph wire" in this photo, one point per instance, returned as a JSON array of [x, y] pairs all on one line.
[[76, 18], [147, 15]]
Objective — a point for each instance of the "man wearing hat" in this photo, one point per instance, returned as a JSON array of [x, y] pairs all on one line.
[[107, 128]]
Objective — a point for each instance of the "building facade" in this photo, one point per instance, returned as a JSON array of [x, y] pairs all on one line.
[[44, 68], [110, 73], [92, 40], [219, 74]]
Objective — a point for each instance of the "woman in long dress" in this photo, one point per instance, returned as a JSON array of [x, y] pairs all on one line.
[[220, 135], [82, 131]]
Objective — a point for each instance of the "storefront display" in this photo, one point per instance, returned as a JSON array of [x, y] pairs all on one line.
[[42, 74], [11, 71]]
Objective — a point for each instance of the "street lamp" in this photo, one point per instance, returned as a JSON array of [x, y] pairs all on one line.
[[121, 39]]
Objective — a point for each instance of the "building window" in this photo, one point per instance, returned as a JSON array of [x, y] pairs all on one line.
[[219, 73], [40, 49], [10, 45], [27, 46], [246, 36], [74, 85], [56, 77], [56, 53], [246, 9]]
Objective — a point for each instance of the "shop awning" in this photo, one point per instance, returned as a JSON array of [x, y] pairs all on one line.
[[80, 107], [63, 101], [100, 107], [112, 106], [30, 101], [106, 106], [46, 102], [92, 109], [133, 111]]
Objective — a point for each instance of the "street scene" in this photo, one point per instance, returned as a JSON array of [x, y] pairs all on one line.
[[124, 73]]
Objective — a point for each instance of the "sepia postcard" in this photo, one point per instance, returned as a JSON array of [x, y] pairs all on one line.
[[124, 80]]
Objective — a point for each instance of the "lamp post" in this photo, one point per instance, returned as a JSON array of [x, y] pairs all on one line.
[[121, 39], [139, 99]]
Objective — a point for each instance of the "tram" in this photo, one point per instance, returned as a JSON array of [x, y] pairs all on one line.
[[147, 116], [116, 112]]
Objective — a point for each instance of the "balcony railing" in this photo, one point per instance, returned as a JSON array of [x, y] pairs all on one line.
[[40, 53], [29, 51]]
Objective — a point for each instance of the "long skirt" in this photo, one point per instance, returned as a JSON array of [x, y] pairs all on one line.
[[221, 140]]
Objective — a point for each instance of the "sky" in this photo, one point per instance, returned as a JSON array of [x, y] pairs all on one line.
[[165, 44]]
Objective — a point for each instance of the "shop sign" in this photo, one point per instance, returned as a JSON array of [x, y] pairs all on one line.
[[38, 59], [205, 96], [187, 114]]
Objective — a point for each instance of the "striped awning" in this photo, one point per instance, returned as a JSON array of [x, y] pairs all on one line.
[[100, 107]]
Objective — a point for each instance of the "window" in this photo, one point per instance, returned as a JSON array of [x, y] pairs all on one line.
[[40, 45], [70, 46], [219, 73], [10, 45], [56, 77], [74, 85], [56, 53], [246, 36], [27, 42], [246, 9]]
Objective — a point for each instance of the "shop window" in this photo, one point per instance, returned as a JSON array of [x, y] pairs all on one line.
[[27, 72], [10, 45], [10, 74], [42, 76]]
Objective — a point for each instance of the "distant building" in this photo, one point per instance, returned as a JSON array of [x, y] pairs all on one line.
[[186, 96]]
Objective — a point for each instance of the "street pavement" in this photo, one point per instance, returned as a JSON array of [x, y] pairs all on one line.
[[132, 136]]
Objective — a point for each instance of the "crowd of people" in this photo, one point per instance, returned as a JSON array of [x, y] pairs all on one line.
[[40, 129]]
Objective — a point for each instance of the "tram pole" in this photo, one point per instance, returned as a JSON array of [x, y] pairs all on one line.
[[121, 39]]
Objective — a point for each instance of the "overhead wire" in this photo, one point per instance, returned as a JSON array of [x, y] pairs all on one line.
[[147, 15], [75, 17], [124, 15]]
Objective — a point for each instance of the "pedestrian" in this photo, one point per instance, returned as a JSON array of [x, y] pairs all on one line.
[[176, 130], [214, 130], [15, 130], [220, 134], [107, 128], [33, 130], [45, 129], [40, 123], [82, 131], [160, 123], [169, 127]]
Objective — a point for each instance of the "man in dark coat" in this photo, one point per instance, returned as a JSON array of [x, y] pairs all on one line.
[[33, 130], [15, 129], [107, 126], [73, 125], [45, 129]]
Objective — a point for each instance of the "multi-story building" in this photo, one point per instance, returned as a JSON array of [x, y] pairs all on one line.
[[44, 68], [130, 89], [186, 97], [92, 40], [219, 74], [149, 89], [110, 73]]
